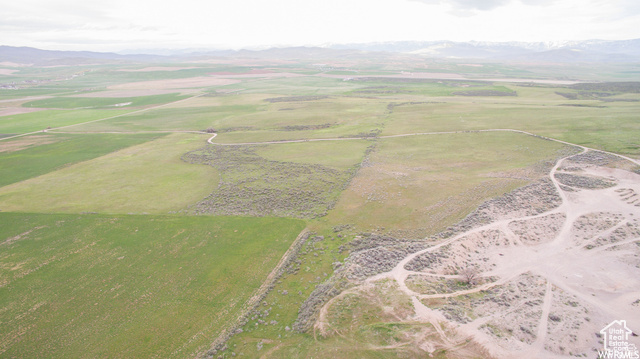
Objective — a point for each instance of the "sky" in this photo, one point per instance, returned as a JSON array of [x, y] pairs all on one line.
[[117, 25]]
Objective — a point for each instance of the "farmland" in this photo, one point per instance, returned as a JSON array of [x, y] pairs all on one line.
[[97, 285], [127, 229]]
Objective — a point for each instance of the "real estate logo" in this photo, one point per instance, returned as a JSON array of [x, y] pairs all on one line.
[[616, 342]]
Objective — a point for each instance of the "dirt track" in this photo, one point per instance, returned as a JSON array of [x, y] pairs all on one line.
[[104, 119], [578, 264], [417, 134]]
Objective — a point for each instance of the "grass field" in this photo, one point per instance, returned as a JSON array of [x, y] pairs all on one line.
[[147, 178], [194, 119], [334, 154], [57, 151], [87, 286], [610, 126], [256, 118], [418, 185], [38, 121], [68, 102]]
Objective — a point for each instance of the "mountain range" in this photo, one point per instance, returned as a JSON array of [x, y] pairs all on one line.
[[565, 51], [544, 52]]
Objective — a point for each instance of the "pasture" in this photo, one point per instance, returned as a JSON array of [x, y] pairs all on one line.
[[69, 102], [146, 178], [31, 156], [416, 186], [41, 120], [87, 286]]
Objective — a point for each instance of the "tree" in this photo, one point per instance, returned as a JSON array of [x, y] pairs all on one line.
[[469, 274]]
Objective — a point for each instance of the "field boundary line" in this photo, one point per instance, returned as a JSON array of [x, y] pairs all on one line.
[[123, 132], [103, 119], [637, 162], [261, 292]]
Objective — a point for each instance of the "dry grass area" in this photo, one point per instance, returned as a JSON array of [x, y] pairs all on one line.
[[257, 73], [12, 64], [25, 142], [250, 72], [9, 111], [125, 93], [408, 75], [158, 68], [187, 83]]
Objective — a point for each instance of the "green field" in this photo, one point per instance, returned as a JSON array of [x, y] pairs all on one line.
[[87, 286], [41, 120], [147, 178], [419, 185], [58, 151], [98, 102]]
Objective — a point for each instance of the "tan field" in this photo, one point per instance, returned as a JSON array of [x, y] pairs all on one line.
[[188, 83]]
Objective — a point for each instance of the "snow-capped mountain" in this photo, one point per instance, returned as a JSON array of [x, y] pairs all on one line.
[[562, 51]]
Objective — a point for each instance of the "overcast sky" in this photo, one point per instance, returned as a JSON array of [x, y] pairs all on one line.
[[114, 25]]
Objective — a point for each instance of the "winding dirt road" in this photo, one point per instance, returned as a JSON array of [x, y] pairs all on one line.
[[592, 266]]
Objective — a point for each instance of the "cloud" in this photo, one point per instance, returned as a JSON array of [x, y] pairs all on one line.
[[630, 7], [537, 2], [469, 7], [464, 5]]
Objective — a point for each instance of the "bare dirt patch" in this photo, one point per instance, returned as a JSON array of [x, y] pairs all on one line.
[[24, 142], [18, 237], [7, 71], [8, 111]]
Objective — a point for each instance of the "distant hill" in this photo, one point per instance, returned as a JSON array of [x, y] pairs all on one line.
[[30, 55], [566, 51], [549, 52]]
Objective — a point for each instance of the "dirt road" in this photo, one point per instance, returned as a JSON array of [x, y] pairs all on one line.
[[590, 260]]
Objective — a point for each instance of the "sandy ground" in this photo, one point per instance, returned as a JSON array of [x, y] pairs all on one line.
[[7, 71], [194, 82], [543, 283]]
